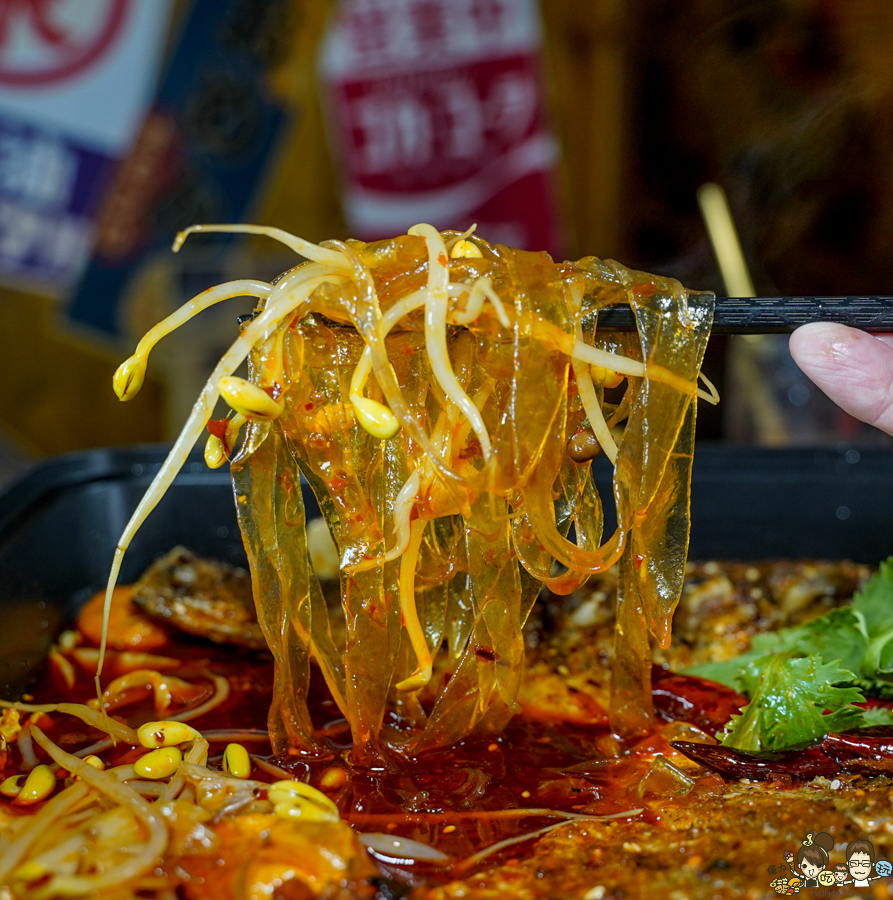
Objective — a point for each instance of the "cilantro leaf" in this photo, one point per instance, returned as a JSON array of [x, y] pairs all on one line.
[[875, 604], [882, 690], [837, 636], [788, 700], [875, 601], [796, 675], [877, 715]]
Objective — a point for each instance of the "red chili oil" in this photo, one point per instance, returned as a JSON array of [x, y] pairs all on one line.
[[481, 791]]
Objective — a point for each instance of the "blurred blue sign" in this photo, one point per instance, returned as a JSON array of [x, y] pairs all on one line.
[[200, 153]]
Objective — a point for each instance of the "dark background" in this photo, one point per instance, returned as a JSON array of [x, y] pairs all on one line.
[[788, 104]]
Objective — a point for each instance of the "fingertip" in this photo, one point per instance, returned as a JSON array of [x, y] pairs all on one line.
[[853, 368], [817, 343]]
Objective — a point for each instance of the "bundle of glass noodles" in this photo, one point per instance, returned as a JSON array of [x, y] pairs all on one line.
[[427, 388]]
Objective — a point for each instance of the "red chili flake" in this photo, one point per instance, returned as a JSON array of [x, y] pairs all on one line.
[[442, 259], [486, 653], [471, 449], [308, 406], [360, 517], [638, 560], [407, 351], [218, 427], [337, 483]]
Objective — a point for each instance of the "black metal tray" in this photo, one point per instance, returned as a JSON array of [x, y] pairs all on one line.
[[59, 524]]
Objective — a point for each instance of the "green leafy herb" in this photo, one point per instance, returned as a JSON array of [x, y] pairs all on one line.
[[788, 697], [802, 681], [877, 715], [839, 635], [875, 604]]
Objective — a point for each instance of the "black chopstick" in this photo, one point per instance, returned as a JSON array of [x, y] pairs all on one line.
[[768, 315]]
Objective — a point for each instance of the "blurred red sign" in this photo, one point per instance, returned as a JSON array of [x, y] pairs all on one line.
[[47, 41], [437, 114]]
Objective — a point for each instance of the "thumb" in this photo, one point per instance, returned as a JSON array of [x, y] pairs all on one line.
[[853, 368]]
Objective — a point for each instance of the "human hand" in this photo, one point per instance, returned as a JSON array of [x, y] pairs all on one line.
[[853, 368]]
